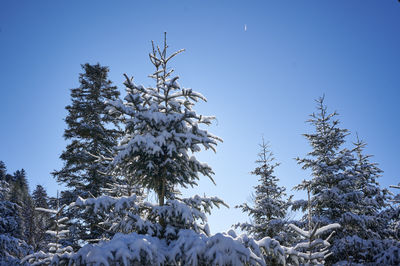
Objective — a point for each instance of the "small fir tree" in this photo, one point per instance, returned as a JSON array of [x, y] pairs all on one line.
[[40, 197], [270, 204]]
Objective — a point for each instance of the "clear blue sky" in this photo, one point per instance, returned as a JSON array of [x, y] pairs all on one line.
[[259, 82]]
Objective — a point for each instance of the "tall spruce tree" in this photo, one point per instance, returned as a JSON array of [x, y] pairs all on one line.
[[91, 131], [270, 200], [88, 129]]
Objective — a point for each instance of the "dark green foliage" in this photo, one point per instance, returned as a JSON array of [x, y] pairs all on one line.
[[87, 128], [19, 194], [12, 229], [91, 132], [28, 212]]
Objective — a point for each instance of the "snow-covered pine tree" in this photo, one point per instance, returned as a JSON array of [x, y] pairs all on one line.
[[333, 184], [137, 240], [268, 215], [374, 199], [57, 254], [27, 208], [41, 220], [40, 197], [364, 223], [387, 251], [92, 131], [19, 194], [392, 214], [12, 247], [162, 135], [344, 190]]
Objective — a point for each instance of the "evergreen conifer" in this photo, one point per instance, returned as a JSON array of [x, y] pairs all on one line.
[[91, 131]]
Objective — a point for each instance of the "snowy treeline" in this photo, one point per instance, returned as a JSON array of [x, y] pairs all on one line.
[[123, 152]]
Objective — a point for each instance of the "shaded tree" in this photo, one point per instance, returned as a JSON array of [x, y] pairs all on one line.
[[91, 131], [41, 220], [19, 194], [12, 245]]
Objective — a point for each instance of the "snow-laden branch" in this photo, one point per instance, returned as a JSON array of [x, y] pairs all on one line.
[[190, 248]]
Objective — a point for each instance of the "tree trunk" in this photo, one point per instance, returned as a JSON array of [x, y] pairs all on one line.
[[161, 198]]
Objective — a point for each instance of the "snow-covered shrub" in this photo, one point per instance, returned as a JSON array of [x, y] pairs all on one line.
[[190, 248]]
